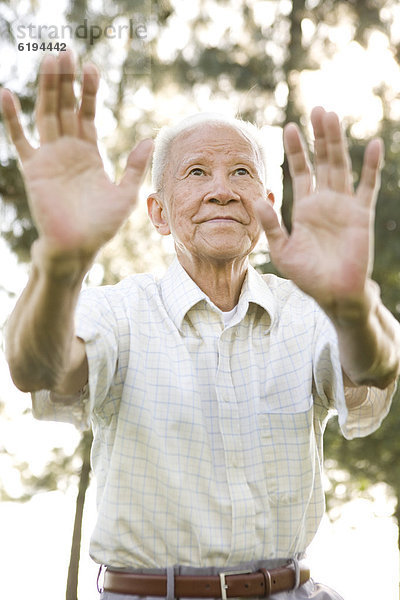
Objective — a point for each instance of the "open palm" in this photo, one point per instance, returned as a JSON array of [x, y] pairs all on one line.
[[74, 204], [328, 253]]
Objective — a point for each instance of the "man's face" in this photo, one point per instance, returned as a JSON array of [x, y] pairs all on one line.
[[210, 185]]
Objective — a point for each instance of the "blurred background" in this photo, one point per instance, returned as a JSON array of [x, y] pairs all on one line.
[[267, 61]]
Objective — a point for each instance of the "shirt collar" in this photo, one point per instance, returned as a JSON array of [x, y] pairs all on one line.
[[180, 293], [256, 290]]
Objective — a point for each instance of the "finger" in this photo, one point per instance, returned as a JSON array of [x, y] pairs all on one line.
[[340, 173], [10, 109], [66, 96], [47, 104], [320, 148], [87, 111], [277, 235], [299, 165], [368, 187], [136, 166]]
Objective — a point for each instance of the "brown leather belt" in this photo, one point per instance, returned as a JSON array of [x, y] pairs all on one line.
[[229, 584]]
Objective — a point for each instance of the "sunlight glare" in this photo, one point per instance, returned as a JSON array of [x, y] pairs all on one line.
[[347, 83]]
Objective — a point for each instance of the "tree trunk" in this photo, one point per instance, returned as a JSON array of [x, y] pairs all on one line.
[[397, 517], [292, 67], [73, 570]]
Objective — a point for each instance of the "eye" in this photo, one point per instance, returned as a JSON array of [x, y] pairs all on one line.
[[243, 170], [197, 171]]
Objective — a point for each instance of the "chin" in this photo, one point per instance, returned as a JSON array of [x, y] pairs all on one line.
[[218, 248], [226, 253]]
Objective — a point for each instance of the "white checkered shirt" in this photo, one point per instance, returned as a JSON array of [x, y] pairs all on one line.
[[207, 447]]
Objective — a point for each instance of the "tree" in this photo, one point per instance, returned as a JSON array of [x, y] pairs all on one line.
[[73, 571]]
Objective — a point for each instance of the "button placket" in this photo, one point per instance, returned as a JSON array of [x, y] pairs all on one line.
[[243, 507]]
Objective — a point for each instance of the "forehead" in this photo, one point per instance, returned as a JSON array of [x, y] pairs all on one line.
[[211, 141]]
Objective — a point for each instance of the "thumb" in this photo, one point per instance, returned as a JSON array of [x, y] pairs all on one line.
[[276, 233], [136, 165]]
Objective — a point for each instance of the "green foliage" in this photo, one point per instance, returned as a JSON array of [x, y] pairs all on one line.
[[60, 472], [17, 229]]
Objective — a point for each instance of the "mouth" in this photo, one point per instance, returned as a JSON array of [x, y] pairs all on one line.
[[222, 220]]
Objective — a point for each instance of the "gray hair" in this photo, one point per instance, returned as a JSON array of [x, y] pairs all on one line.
[[168, 133]]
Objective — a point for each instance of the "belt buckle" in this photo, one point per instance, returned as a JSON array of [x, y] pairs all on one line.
[[224, 585]]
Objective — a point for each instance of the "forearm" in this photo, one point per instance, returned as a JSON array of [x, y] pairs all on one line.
[[369, 339], [40, 332]]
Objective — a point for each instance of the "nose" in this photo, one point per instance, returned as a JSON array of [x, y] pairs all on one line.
[[221, 191]]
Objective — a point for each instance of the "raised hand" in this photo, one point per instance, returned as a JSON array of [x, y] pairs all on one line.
[[329, 251], [75, 206]]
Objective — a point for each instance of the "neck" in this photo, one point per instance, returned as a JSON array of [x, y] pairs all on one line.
[[221, 281]]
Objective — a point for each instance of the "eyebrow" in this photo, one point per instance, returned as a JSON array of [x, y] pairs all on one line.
[[203, 156]]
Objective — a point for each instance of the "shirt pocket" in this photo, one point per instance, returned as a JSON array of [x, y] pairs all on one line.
[[288, 449]]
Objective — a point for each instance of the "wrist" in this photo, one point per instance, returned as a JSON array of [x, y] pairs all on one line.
[[70, 266], [357, 309]]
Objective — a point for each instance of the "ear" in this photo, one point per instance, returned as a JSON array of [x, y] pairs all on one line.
[[270, 197], [158, 214]]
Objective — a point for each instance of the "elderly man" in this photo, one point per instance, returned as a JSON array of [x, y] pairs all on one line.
[[208, 391]]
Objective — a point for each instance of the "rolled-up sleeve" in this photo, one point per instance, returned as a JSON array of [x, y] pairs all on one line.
[[371, 404], [48, 406], [367, 416]]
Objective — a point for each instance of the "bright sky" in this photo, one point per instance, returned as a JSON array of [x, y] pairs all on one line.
[[345, 554]]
